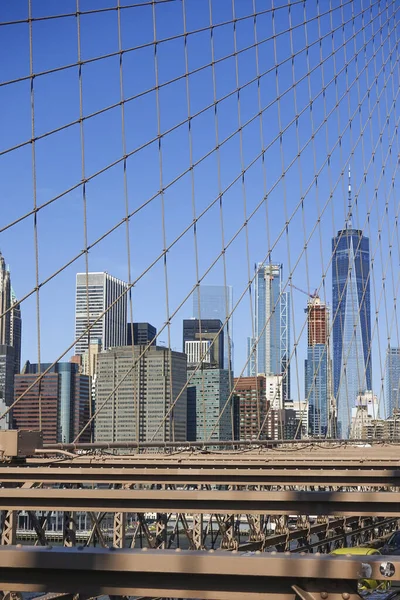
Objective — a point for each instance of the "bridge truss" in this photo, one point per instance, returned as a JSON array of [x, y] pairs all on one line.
[[199, 523]]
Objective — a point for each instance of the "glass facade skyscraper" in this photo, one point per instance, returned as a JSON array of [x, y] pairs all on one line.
[[392, 381], [251, 356], [216, 302], [198, 335], [318, 367], [272, 325], [208, 393], [316, 388], [351, 315], [71, 395]]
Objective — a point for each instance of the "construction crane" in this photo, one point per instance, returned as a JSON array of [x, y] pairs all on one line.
[[313, 295]]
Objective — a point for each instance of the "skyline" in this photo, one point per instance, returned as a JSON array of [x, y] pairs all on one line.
[[287, 218], [331, 328]]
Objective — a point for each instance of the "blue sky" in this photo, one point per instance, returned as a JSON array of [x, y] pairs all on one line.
[[58, 156]]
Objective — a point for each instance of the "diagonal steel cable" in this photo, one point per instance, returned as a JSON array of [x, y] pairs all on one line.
[[197, 163]]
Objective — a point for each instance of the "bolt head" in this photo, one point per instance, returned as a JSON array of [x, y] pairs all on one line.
[[324, 595]]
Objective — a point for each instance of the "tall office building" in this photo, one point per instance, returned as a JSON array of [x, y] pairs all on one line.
[[300, 408], [208, 393], [16, 331], [7, 366], [27, 413], [95, 293], [251, 357], [392, 382], [88, 360], [272, 325], [274, 391], [216, 302], [203, 341], [143, 334], [351, 316], [63, 395], [148, 386], [317, 367], [5, 302], [10, 339], [364, 413], [252, 407]]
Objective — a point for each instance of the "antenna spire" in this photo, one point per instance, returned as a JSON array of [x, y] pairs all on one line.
[[349, 225]]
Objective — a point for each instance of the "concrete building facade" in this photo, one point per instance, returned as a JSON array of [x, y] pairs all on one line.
[[251, 392], [138, 392]]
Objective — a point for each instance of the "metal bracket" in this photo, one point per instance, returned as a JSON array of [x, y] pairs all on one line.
[[327, 590]]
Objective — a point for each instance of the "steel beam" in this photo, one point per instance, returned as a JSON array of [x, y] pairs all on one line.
[[188, 574], [198, 474], [204, 501], [9, 532], [328, 443]]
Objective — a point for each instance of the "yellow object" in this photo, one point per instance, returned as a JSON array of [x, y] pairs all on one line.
[[358, 550], [364, 584]]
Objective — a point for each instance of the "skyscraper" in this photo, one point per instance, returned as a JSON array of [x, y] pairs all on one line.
[[64, 394], [208, 392], [317, 366], [198, 335], [10, 338], [392, 381], [149, 384], [95, 293], [143, 334], [251, 356], [252, 407], [7, 369], [351, 316], [216, 302], [272, 328], [16, 331], [5, 302]]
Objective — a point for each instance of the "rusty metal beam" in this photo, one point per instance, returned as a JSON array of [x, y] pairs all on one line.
[[187, 574], [204, 501]]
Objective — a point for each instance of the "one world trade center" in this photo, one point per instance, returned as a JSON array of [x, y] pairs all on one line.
[[351, 315]]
